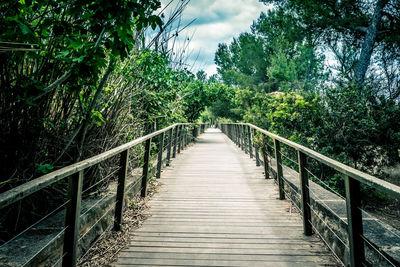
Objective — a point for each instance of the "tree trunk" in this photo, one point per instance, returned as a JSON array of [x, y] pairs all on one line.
[[369, 42]]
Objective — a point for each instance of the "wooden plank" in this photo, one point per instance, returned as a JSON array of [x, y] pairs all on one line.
[[215, 208], [200, 259], [199, 240]]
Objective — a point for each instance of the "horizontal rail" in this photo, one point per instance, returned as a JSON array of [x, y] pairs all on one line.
[[347, 170], [24, 190]]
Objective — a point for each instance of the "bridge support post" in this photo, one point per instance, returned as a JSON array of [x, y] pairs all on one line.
[[71, 234], [160, 155], [119, 202], [145, 173], [278, 159], [170, 133], [250, 143], [305, 193], [354, 221]]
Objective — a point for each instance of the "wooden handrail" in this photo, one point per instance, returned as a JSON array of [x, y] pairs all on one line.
[[344, 169], [26, 189]]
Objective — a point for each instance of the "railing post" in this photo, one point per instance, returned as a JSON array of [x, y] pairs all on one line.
[[234, 134], [256, 148], [278, 159], [185, 140], [354, 221], [236, 130], [72, 220], [170, 133], [119, 204], [266, 167], [175, 141], [145, 173], [237, 135], [250, 143], [305, 193], [180, 138], [160, 155], [194, 132], [242, 138]]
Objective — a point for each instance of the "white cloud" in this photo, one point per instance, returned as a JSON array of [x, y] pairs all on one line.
[[216, 22]]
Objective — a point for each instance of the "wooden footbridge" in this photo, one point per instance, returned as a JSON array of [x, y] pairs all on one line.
[[215, 209], [235, 197]]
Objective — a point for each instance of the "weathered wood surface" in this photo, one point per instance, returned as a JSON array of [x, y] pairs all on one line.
[[215, 208]]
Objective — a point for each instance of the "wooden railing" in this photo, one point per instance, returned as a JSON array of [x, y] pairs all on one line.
[[243, 135], [178, 138]]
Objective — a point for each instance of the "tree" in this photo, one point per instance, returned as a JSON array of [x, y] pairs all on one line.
[[278, 54], [367, 27]]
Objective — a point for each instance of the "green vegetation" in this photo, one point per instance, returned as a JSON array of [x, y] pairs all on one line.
[[81, 77], [282, 80]]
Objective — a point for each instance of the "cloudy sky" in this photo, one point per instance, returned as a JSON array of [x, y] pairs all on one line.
[[216, 22]]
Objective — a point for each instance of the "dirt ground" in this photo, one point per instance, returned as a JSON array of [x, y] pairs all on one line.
[[105, 251]]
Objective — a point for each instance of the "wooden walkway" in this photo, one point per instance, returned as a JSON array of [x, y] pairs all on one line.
[[215, 209]]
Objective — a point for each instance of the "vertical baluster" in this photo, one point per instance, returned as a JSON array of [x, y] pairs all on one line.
[[145, 173], [278, 159], [160, 155], [72, 219], [119, 204], [354, 221], [305, 193]]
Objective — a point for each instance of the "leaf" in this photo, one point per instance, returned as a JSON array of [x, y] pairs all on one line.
[[6, 181], [61, 54], [25, 29], [44, 168], [79, 59]]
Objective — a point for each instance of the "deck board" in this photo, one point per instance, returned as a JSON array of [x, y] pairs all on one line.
[[214, 208]]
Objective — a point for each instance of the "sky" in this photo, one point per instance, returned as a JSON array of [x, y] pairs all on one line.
[[216, 22]]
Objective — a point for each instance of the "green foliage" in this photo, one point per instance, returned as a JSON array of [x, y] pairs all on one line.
[[44, 168], [278, 54]]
